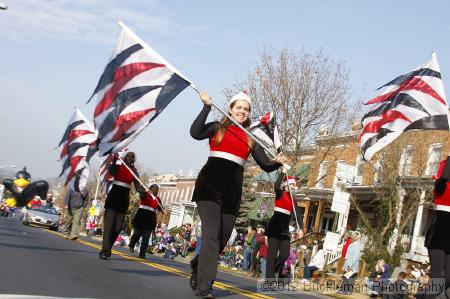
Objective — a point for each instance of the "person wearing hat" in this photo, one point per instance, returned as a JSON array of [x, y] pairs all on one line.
[[117, 200], [279, 238], [218, 188], [145, 220], [437, 240]]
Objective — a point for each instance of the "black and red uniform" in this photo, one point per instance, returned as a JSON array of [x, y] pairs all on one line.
[[218, 190], [116, 204], [277, 232], [438, 237], [145, 221]]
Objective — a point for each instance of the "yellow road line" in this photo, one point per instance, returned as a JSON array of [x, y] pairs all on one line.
[[220, 285]]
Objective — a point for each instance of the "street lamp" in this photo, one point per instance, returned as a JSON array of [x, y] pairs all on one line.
[[9, 165]]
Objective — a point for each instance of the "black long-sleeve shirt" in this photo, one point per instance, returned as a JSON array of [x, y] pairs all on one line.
[[201, 130]]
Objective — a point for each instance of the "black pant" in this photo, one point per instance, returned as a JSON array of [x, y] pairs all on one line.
[[144, 243], [113, 222], [440, 266], [216, 230], [278, 252]]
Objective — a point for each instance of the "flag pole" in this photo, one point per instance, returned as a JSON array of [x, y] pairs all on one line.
[[293, 205], [140, 182], [96, 187], [434, 56], [242, 128]]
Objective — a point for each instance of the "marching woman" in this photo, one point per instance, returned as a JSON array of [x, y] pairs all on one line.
[[279, 239], [117, 201], [437, 239], [218, 188], [145, 220]]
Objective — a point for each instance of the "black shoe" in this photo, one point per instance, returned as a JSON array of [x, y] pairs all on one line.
[[103, 254], [193, 280], [142, 256], [108, 253], [131, 249], [206, 294]]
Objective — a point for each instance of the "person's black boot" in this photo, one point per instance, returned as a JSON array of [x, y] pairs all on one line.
[[193, 278], [103, 254]]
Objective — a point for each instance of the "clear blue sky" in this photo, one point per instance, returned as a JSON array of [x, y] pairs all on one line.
[[53, 53]]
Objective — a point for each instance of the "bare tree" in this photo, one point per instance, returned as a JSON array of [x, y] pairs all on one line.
[[306, 92]]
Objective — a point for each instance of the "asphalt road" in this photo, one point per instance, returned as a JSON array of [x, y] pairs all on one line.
[[39, 263]]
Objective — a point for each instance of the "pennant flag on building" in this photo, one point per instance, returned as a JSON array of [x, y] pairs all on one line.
[[266, 130], [76, 149], [412, 101], [135, 87]]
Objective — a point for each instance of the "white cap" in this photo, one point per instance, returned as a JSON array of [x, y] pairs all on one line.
[[241, 96]]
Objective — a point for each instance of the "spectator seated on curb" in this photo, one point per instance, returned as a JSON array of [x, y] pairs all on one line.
[[397, 289], [170, 251], [317, 263], [378, 278]]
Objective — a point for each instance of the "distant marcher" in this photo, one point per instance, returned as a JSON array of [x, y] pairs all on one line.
[[279, 237], [145, 220], [437, 238], [74, 202], [118, 200]]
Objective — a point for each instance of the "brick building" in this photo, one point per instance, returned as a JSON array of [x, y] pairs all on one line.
[[176, 194], [417, 155]]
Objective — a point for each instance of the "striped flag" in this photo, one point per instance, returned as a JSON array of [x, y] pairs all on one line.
[[135, 87], [76, 150], [412, 101], [266, 130], [105, 178]]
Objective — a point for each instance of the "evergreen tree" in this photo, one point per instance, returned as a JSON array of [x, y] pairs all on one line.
[[247, 202]]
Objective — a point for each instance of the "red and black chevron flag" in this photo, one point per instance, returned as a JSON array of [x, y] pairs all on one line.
[[135, 87], [76, 148], [412, 101]]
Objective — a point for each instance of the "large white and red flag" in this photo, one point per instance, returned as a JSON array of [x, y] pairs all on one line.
[[76, 149], [412, 101], [135, 87]]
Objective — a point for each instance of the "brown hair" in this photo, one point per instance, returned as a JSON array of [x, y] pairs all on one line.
[[224, 123]]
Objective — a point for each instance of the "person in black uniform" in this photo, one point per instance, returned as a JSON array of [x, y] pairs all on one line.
[[117, 201], [437, 239], [145, 220], [279, 238], [218, 188]]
